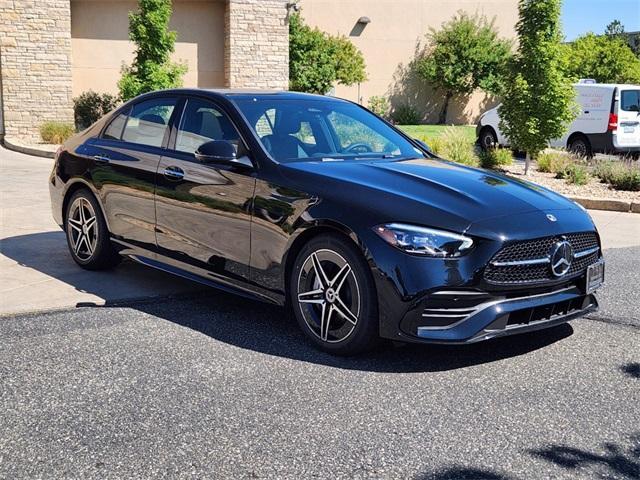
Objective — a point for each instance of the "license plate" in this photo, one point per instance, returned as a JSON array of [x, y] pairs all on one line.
[[628, 129], [595, 276]]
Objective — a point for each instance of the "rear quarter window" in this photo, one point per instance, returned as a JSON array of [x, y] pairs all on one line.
[[630, 100]]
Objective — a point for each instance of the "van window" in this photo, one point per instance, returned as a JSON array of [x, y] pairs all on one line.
[[148, 121], [630, 100]]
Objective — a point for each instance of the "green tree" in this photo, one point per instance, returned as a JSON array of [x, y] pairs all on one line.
[[318, 60], [614, 29], [151, 68], [607, 59], [465, 54], [538, 101]]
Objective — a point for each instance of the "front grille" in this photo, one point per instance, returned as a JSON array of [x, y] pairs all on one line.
[[499, 274]]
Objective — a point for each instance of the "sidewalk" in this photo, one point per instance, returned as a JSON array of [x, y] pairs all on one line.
[[37, 273]]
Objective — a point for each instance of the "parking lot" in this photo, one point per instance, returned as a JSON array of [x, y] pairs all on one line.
[[136, 374]]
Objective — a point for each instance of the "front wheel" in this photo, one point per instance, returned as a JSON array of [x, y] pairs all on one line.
[[333, 296]]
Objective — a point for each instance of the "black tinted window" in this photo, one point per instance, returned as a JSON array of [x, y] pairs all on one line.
[[148, 121], [114, 130], [630, 101], [202, 122]]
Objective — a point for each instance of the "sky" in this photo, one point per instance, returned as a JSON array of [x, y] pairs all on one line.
[[582, 16]]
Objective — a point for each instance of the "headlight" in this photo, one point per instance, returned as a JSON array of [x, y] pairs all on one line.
[[424, 241]]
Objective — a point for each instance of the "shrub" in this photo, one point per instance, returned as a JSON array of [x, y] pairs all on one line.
[[577, 174], [89, 107], [552, 162], [495, 157], [606, 170], [626, 177], [379, 105], [56, 132], [436, 144], [458, 148], [405, 115]]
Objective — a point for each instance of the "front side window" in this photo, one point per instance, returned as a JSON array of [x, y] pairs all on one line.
[[294, 129], [148, 122], [630, 100], [202, 122]]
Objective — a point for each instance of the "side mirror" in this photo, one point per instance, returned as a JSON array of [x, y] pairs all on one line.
[[423, 145], [220, 151]]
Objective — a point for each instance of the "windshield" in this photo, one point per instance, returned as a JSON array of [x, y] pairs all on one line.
[[298, 129]]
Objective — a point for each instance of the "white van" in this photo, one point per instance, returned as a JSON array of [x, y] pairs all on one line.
[[609, 121]]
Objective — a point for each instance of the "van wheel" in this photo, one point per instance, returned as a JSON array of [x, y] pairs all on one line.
[[579, 145], [488, 138]]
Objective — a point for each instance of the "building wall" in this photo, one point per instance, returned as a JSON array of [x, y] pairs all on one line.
[[256, 44], [389, 43], [35, 64], [100, 42]]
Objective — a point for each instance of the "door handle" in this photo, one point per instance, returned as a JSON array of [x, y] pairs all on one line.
[[174, 173], [101, 158]]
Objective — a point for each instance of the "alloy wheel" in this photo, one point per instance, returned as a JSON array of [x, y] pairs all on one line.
[[82, 226], [328, 296]]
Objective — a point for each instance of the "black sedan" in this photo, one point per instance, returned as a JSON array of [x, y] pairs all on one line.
[[317, 204]]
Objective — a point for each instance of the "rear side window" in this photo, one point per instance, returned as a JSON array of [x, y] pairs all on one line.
[[114, 130], [148, 122], [630, 100]]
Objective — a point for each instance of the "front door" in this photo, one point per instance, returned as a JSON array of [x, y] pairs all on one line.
[[628, 131], [203, 211]]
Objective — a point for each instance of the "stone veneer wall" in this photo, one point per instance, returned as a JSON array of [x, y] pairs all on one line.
[[35, 64], [256, 44]]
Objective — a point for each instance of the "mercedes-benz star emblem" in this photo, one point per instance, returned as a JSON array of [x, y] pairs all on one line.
[[561, 258], [551, 218]]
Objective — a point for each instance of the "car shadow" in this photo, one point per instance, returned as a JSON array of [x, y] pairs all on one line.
[[251, 324], [270, 330]]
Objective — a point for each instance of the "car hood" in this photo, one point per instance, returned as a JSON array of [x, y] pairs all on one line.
[[424, 191]]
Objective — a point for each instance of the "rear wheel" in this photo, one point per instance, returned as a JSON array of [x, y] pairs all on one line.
[[333, 296], [87, 234], [579, 145], [488, 138]]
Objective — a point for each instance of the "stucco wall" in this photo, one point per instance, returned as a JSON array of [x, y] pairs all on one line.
[[100, 42], [35, 63], [389, 44]]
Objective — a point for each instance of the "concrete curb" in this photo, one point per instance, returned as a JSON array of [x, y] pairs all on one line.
[[610, 204], [45, 151]]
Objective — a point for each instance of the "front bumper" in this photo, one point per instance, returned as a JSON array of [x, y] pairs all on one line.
[[492, 317]]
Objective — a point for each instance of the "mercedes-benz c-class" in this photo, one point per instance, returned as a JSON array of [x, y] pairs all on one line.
[[319, 205]]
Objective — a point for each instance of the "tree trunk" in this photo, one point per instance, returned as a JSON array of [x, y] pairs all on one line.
[[445, 108], [527, 162]]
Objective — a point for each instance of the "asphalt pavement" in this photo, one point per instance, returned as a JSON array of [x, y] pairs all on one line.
[[214, 386], [203, 384]]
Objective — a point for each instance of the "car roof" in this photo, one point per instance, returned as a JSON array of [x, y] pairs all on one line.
[[607, 85], [240, 92]]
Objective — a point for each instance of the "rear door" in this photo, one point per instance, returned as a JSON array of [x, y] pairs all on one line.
[[628, 111], [125, 161]]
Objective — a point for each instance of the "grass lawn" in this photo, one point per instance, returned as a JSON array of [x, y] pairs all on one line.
[[431, 131]]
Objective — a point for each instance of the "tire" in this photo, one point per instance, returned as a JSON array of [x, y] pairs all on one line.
[[579, 145], [337, 309], [87, 234], [487, 138]]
